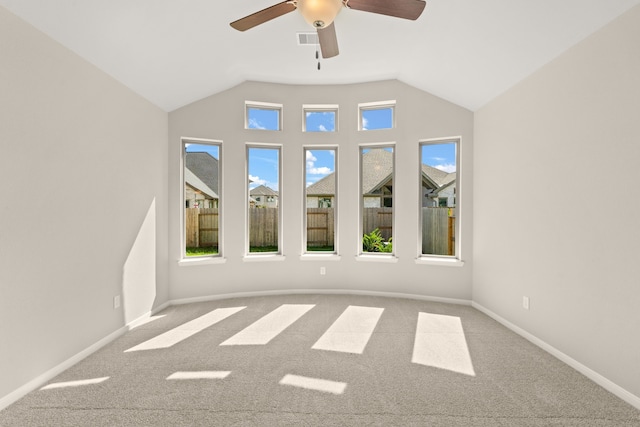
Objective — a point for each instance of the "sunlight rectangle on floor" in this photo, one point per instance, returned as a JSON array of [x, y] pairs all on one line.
[[77, 383], [351, 332], [317, 384], [440, 343], [269, 326], [186, 330], [199, 375]]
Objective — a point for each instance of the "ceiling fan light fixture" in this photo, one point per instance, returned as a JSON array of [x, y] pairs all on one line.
[[319, 13]]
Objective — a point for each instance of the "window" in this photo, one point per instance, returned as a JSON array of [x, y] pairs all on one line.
[[320, 118], [320, 200], [263, 115], [438, 192], [376, 201], [202, 197], [376, 115], [264, 218]]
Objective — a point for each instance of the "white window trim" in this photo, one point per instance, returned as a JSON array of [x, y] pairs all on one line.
[[305, 253], [319, 108], [263, 106], [442, 260], [373, 256], [203, 259], [378, 105], [263, 256]]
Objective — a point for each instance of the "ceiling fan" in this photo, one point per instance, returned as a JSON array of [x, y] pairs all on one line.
[[321, 13]]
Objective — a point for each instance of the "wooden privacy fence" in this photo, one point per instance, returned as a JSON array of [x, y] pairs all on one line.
[[380, 218], [201, 227], [438, 227], [263, 227], [438, 231], [320, 226]]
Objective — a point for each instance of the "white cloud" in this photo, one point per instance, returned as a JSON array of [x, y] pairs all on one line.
[[321, 128], [254, 124], [319, 171], [256, 181], [310, 156], [446, 167], [365, 123]]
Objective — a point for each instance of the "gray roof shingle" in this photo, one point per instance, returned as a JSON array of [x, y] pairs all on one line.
[[205, 167]]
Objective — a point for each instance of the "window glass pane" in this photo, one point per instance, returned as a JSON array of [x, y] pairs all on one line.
[[376, 177], [263, 118], [376, 118], [264, 199], [320, 178], [320, 121], [438, 194], [202, 198]]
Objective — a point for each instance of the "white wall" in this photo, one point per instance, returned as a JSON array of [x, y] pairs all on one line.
[[93, 154], [221, 117], [573, 125]]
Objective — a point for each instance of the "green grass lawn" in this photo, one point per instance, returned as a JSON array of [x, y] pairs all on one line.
[[201, 251]]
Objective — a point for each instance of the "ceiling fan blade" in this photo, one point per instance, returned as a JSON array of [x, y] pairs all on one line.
[[328, 41], [407, 9], [263, 16]]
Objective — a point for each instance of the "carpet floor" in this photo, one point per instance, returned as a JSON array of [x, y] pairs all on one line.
[[320, 360]]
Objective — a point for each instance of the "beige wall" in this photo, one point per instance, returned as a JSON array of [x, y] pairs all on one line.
[[574, 125], [72, 136], [419, 116]]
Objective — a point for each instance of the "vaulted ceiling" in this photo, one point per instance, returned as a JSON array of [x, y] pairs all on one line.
[[174, 52]]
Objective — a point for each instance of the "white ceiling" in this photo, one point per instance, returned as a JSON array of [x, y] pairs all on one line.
[[174, 52]]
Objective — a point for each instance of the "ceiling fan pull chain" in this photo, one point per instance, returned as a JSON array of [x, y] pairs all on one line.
[[317, 56]]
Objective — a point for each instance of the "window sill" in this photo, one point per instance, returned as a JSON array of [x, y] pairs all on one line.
[[185, 262], [320, 257], [440, 261], [377, 258], [263, 258]]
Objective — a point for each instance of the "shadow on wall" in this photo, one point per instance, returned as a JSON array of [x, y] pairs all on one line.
[[139, 270]]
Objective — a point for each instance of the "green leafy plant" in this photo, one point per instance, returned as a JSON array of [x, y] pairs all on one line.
[[374, 242]]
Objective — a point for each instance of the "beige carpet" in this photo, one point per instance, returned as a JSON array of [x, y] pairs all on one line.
[[320, 360]]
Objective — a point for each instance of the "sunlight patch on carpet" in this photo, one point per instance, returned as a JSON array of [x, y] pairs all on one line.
[[316, 384], [351, 331], [269, 326], [440, 343], [199, 375], [186, 330], [77, 383]]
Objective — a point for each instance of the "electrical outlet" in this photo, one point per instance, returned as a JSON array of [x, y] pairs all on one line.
[[116, 302], [525, 303], [323, 271]]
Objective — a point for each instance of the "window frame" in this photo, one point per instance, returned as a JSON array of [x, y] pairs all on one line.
[[319, 108], [436, 259], [217, 257], [259, 105], [361, 255], [378, 105], [335, 205], [280, 252]]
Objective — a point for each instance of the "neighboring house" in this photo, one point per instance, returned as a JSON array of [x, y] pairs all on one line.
[[438, 187], [201, 180], [264, 197], [322, 193]]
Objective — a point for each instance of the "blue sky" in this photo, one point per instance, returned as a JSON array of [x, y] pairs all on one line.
[[211, 149], [263, 162], [440, 156]]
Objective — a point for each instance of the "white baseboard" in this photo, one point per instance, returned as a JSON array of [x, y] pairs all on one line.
[[40, 380], [320, 292], [605, 383]]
